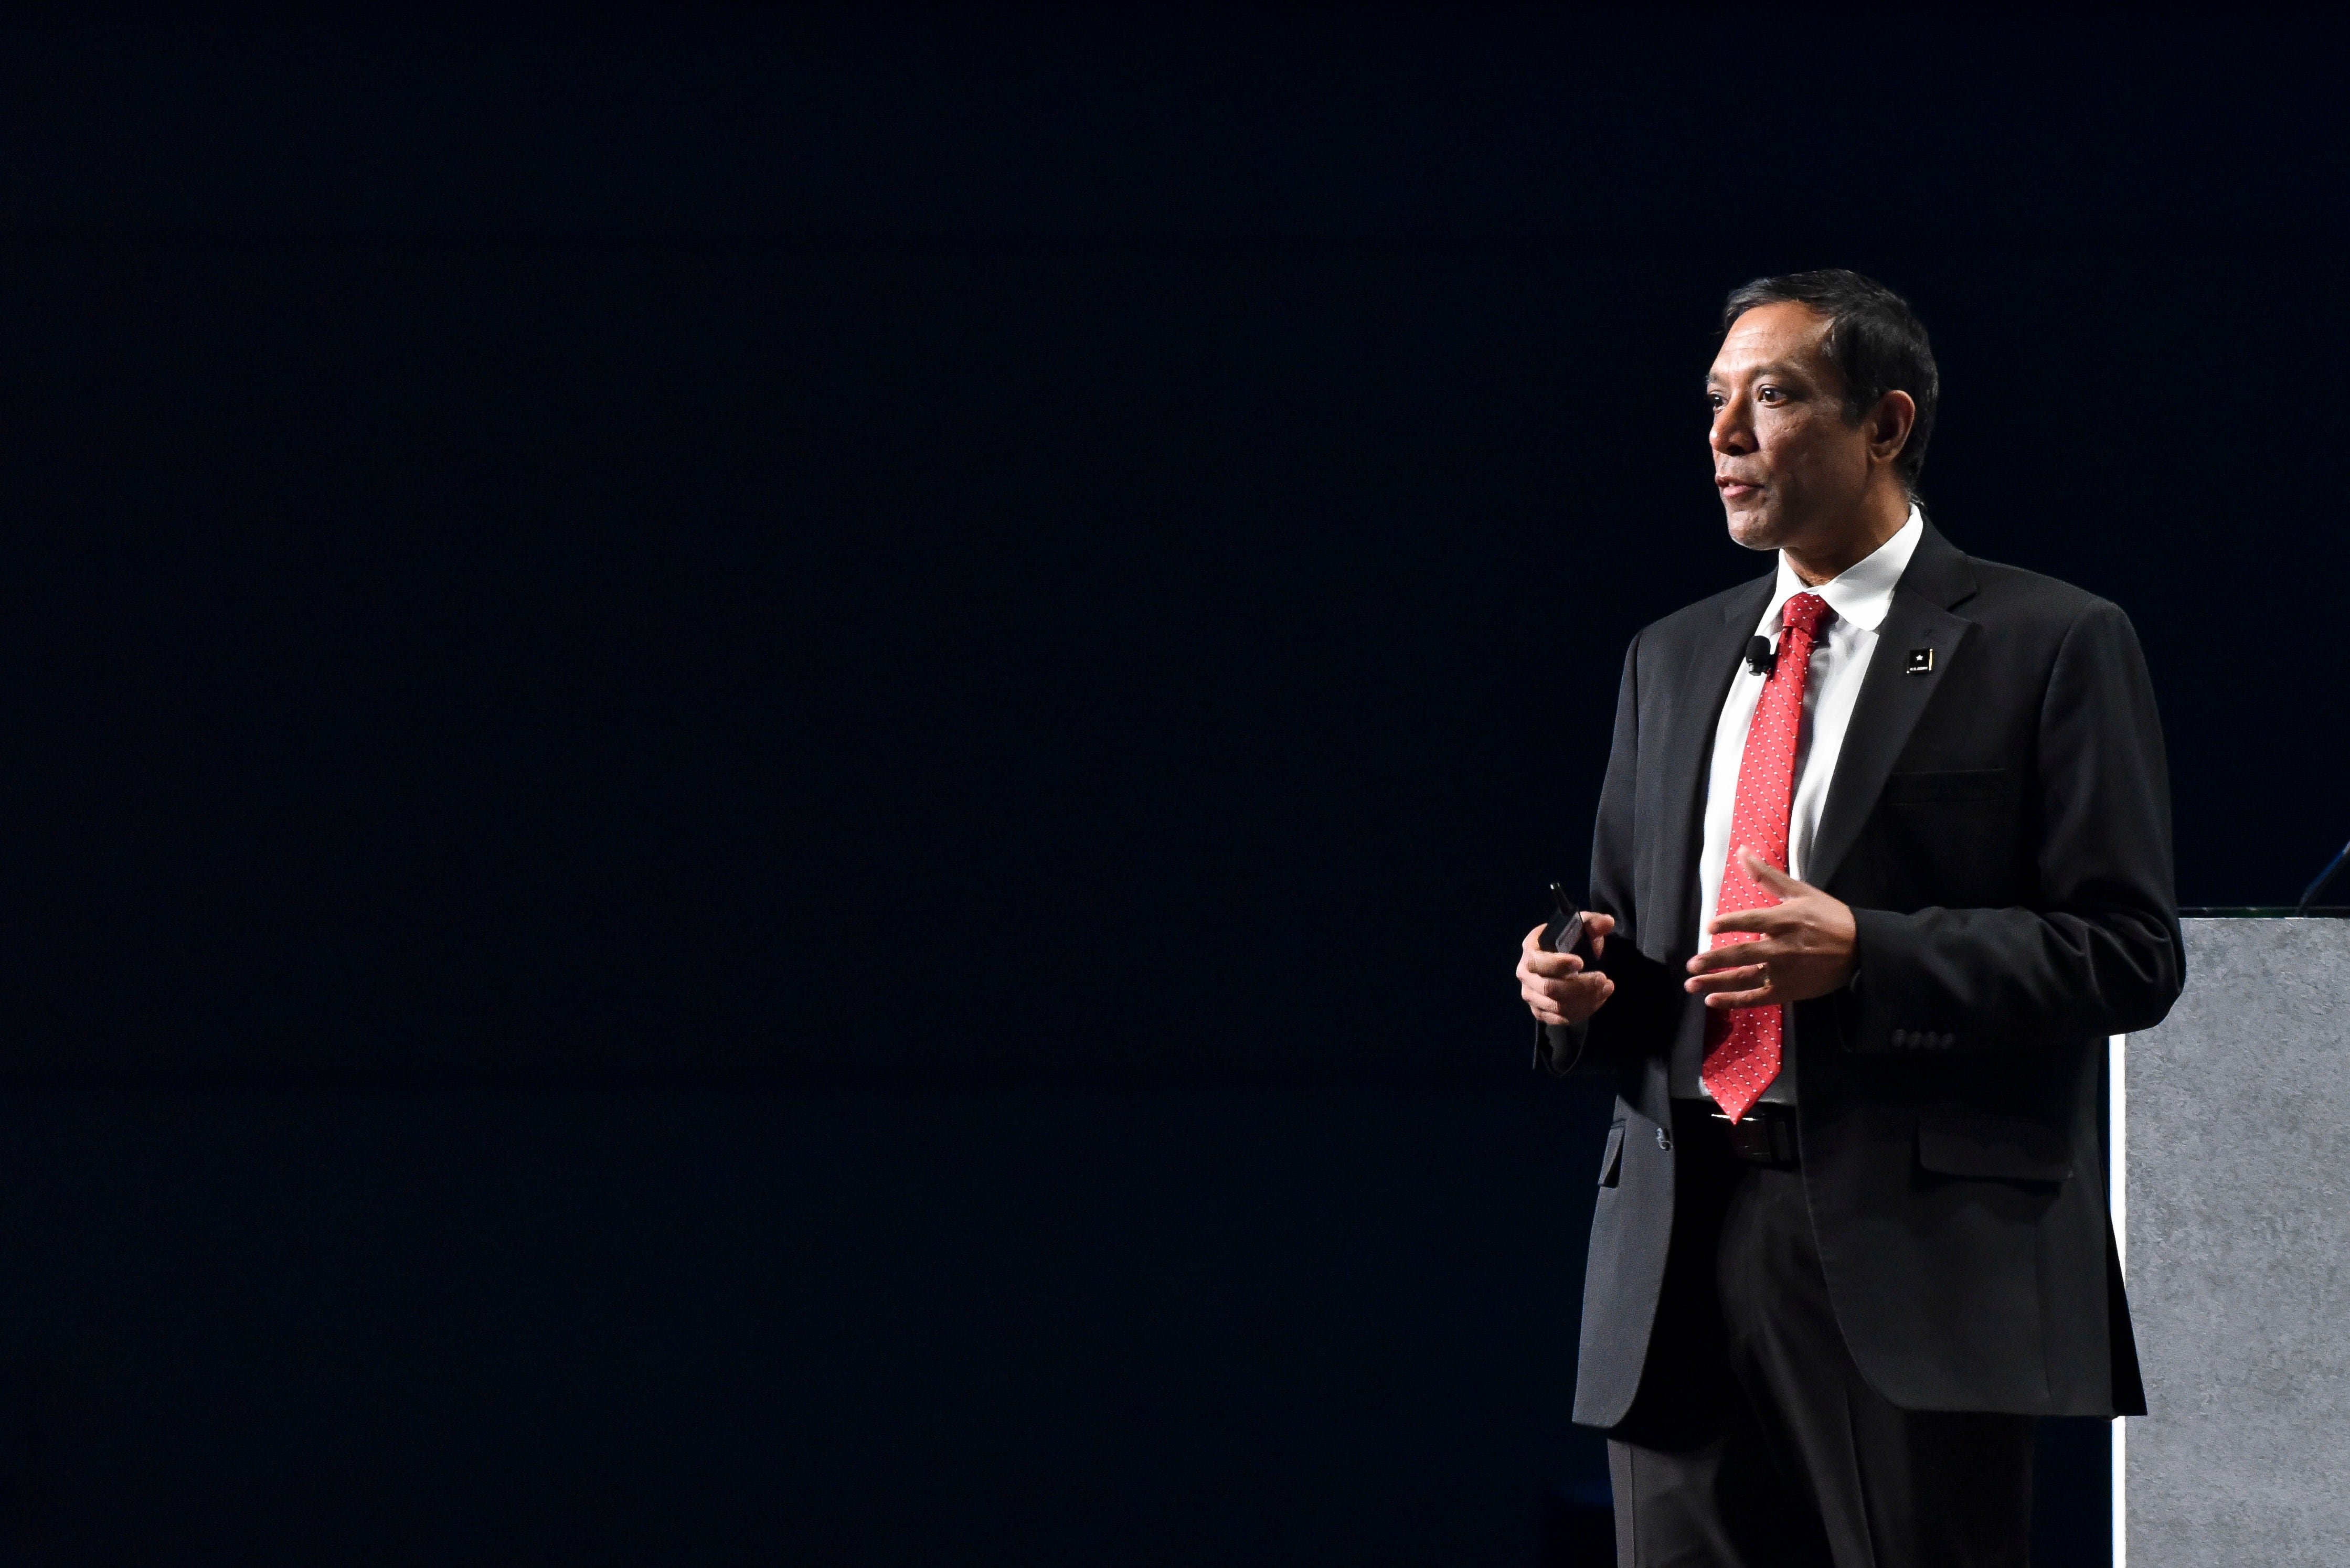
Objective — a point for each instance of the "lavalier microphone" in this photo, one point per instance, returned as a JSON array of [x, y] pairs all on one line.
[[1758, 656]]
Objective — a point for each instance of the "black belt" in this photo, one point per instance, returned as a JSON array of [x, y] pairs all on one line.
[[1765, 1135]]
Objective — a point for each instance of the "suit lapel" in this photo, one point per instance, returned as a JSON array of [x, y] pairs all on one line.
[[1695, 708], [1892, 700]]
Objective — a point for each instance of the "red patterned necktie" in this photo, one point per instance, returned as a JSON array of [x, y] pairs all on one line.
[[1741, 1043]]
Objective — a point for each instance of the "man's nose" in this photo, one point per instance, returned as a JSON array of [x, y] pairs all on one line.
[[1731, 434]]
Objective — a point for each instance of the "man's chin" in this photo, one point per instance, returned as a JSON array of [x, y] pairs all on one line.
[[1756, 530]]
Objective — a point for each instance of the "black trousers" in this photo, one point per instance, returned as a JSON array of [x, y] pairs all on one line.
[[1756, 1443]]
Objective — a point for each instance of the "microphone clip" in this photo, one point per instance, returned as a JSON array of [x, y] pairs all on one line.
[[1760, 656]]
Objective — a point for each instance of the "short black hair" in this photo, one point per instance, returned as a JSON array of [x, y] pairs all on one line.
[[1875, 340]]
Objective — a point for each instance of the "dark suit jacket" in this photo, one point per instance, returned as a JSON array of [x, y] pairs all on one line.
[[2000, 827]]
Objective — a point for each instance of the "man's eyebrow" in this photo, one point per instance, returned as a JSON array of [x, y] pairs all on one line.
[[1769, 368]]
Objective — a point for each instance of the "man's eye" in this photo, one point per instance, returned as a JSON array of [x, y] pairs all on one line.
[[1767, 395]]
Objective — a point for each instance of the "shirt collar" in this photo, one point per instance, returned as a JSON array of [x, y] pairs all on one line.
[[1863, 592]]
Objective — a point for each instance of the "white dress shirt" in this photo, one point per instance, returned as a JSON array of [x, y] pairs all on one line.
[[1861, 596]]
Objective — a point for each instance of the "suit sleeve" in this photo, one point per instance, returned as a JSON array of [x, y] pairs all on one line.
[[1625, 1024], [2100, 953]]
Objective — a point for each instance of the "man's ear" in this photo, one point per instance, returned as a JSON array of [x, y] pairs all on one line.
[[1889, 424]]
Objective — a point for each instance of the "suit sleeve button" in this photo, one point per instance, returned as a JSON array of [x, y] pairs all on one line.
[[1901, 1037]]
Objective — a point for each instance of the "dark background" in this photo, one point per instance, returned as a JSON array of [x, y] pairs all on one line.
[[771, 779]]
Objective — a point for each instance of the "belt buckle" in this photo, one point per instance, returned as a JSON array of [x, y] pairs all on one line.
[[1763, 1137]]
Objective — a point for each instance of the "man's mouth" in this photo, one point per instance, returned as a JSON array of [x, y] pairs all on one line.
[[1734, 488]]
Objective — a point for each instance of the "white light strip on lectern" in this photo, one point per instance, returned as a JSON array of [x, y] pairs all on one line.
[[2117, 1194]]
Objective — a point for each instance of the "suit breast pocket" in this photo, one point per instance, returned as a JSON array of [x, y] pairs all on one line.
[[1952, 837], [1950, 787]]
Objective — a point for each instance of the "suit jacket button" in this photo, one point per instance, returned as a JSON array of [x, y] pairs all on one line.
[[1664, 1140]]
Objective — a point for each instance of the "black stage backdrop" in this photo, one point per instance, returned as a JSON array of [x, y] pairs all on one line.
[[773, 780]]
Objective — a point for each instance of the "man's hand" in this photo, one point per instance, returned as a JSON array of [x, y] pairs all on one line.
[[1555, 985], [1806, 946]]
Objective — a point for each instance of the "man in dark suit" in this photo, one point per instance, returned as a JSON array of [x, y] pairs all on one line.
[[1883, 857]]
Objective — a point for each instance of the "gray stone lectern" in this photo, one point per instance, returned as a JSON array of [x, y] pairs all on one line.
[[2232, 1146]]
